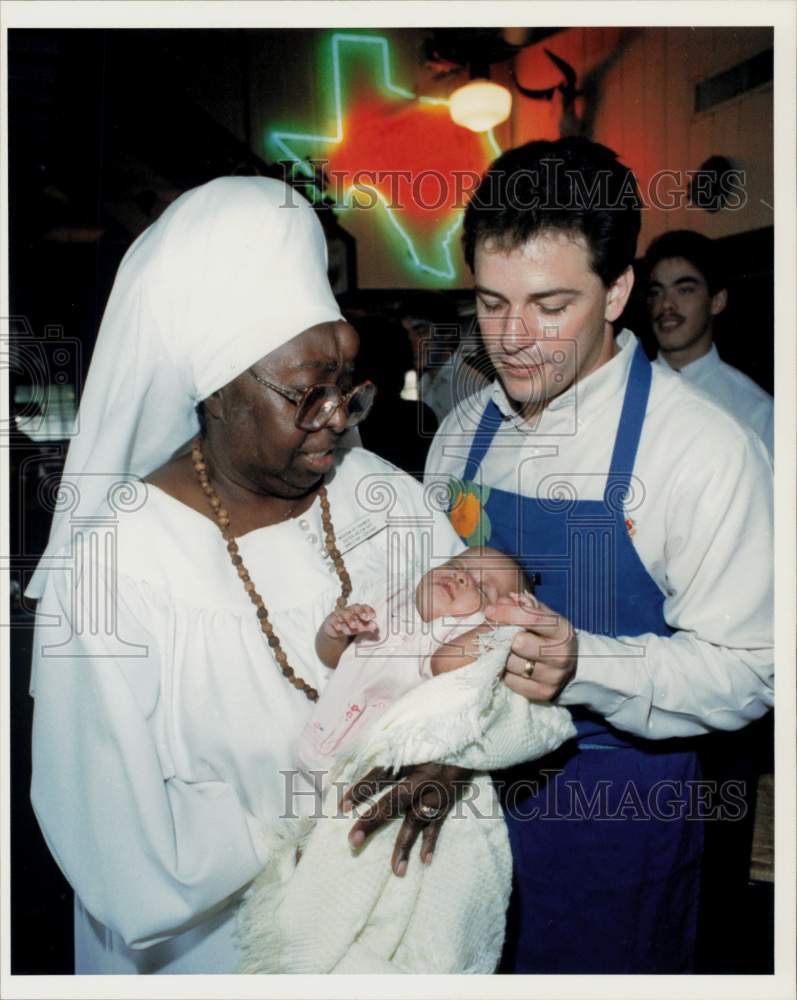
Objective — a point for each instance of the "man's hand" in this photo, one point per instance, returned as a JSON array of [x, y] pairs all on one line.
[[544, 656], [424, 795]]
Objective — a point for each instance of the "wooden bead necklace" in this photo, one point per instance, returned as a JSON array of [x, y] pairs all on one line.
[[223, 521]]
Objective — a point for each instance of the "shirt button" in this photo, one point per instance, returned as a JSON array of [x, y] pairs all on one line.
[[312, 539], [304, 525]]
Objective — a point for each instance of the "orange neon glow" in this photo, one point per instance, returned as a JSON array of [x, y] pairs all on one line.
[[413, 154]]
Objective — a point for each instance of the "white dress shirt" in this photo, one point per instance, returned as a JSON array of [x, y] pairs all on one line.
[[734, 390], [162, 723], [701, 504]]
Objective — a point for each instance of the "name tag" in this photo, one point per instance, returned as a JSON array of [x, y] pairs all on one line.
[[359, 531]]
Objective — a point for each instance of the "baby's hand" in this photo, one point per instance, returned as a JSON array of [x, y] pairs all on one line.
[[351, 620]]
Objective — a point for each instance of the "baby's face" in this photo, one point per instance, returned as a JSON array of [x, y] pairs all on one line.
[[467, 583]]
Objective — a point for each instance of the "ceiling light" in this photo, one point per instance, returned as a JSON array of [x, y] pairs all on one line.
[[480, 105]]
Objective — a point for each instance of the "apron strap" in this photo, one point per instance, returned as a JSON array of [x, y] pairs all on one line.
[[626, 442], [490, 421], [629, 430]]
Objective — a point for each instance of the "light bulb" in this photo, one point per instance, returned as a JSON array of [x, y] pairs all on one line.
[[480, 105]]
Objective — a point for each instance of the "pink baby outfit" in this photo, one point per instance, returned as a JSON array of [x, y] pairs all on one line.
[[373, 674]]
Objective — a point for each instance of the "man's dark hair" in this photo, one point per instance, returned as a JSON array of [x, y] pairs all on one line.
[[570, 185], [701, 252]]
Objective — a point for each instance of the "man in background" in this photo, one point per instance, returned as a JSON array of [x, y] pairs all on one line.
[[686, 291], [450, 367], [401, 429]]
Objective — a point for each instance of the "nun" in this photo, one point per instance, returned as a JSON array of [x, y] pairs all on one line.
[[210, 517]]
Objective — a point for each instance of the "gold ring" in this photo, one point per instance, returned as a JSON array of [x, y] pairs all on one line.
[[528, 670]]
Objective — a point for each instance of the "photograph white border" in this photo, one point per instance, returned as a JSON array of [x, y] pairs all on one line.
[[780, 14]]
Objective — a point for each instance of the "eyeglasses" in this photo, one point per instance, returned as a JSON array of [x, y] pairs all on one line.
[[318, 404]]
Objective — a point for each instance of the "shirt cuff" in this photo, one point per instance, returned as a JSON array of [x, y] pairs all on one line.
[[603, 680]]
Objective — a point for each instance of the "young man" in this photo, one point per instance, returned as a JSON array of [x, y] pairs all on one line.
[[645, 509], [686, 291]]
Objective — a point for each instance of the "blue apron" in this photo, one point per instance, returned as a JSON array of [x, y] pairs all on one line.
[[606, 863]]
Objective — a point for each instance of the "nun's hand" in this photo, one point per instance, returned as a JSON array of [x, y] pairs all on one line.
[[424, 795], [544, 656]]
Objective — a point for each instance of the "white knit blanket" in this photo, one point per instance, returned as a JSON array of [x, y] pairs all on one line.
[[344, 911]]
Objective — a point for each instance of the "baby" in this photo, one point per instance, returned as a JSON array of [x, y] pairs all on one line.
[[318, 906], [381, 653]]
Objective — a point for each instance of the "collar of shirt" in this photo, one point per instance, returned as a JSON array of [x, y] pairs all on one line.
[[588, 397], [695, 369]]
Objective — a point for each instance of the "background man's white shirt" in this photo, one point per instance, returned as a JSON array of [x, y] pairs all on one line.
[[734, 390]]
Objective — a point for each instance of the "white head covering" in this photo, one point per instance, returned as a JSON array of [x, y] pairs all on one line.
[[230, 272]]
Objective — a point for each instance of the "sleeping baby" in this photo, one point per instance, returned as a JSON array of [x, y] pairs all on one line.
[[382, 653]]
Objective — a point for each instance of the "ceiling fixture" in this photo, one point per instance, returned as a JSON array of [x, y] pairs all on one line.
[[480, 105]]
